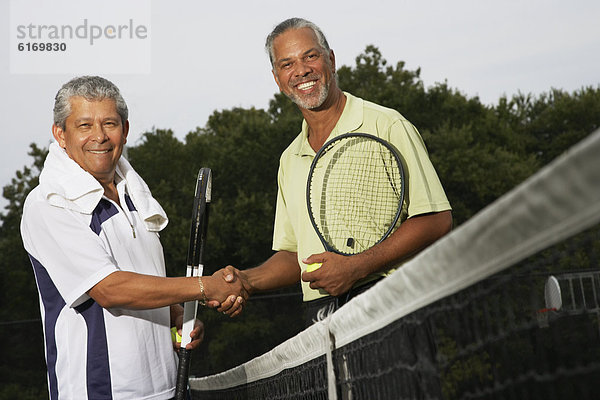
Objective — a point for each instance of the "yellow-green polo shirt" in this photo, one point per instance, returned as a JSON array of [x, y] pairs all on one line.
[[293, 230]]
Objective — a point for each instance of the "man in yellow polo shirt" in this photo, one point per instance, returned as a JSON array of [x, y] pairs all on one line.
[[304, 70]]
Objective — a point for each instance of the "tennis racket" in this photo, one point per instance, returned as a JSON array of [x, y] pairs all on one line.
[[194, 268], [355, 192]]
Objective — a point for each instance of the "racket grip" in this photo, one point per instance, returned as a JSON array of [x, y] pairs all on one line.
[[185, 357]]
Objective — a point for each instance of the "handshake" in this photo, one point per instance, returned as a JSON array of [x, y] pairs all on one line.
[[227, 290]]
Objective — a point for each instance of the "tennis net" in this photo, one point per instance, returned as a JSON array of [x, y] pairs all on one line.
[[507, 306]]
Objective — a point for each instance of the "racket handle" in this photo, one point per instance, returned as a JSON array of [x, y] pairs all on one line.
[[183, 373]]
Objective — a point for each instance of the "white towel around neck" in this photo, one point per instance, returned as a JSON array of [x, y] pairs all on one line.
[[65, 184]]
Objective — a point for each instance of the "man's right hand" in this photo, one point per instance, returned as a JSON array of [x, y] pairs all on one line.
[[279, 271], [225, 292], [233, 305]]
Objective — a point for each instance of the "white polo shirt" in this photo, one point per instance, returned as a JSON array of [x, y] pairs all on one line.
[[92, 352]]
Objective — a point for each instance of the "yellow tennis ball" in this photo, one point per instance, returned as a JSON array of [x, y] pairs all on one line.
[[175, 335], [313, 267]]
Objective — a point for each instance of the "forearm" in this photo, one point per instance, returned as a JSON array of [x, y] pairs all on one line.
[[413, 235], [136, 291], [280, 270]]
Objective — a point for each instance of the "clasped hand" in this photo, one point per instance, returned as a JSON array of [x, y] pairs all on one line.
[[228, 291], [236, 291]]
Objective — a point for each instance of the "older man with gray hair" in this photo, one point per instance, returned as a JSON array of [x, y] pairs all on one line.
[[91, 231], [303, 66]]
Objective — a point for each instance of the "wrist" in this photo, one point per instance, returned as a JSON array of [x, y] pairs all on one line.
[[203, 299], [248, 284], [363, 265]]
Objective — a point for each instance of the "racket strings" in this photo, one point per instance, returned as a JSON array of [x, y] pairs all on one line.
[[360, 194]]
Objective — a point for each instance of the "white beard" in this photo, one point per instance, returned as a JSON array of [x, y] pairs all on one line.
[[311, 101]]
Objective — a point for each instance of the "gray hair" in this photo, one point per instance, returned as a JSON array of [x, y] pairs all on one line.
[[294, 23], [91, 88]]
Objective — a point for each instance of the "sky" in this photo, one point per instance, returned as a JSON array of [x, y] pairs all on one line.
[[207, 56]]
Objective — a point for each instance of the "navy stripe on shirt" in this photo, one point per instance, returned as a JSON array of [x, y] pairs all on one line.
[[103, 211], [53, 304], [97, 361], [98, 371], [97, 366], [129, 203]]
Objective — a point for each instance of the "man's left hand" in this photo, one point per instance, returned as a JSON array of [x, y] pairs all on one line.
[[336, 275], [197, 335]]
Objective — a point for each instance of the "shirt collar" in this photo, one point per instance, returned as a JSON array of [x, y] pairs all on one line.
[[350, 121]]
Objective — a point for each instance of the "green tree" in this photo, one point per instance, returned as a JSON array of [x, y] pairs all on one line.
[[475, 172], [554, 121], [245, 181], [22, 371], [162, 161]]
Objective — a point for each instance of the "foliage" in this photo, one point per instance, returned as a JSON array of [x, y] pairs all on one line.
[[479, 151], [21, 342]]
